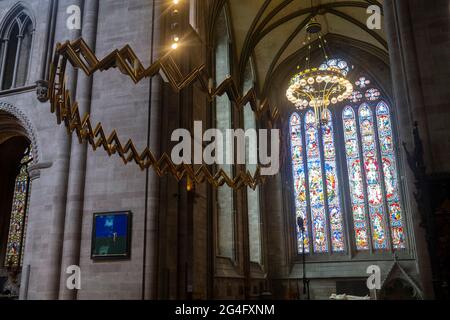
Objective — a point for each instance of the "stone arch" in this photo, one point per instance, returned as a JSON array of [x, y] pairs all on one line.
[[13, 12], [27, 126]]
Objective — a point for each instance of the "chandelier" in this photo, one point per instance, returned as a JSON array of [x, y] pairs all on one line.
[[321, 87]]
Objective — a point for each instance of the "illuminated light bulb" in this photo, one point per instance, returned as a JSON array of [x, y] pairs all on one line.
[[176, 1], [176, 38], [190, 185], [311, 80], [334, 100], [174, 46]]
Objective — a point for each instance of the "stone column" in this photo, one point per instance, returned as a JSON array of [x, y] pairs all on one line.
[[49, 192], [34, 172], [76, 184], [154, 142], [409, 108], [276, 238]]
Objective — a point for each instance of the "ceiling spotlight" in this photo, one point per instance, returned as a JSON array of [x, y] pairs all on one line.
[[174, 46], [176, 1], [176, 38]]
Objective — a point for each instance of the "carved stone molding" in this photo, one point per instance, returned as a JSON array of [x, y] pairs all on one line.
[[26, 123], [34, 170]]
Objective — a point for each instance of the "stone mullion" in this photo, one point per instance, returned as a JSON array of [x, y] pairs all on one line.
[[3, 63], [16, 62]]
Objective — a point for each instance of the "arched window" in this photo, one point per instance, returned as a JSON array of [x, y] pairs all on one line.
[[223, 117], [317, 194], [368, 154], [16, 38], [251, 152], [19, 213]]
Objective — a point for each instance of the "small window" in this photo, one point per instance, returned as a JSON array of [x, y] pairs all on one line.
[[17, 35]]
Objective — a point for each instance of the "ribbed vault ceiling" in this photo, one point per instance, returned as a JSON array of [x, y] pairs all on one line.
[[272, 30]]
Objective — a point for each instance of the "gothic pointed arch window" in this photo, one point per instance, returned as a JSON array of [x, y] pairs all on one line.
[[224, 121], [16, 41], [346, 174], [251, 158], [19, 214]]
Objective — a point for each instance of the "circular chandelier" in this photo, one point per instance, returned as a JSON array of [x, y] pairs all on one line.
[[321, 87]]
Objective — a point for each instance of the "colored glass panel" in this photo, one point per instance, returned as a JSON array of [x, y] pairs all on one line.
[[316, 188], [334, 206], [355, 179], [15, 244], [373, 94], [390, 175], [373, 179], [298, 168]]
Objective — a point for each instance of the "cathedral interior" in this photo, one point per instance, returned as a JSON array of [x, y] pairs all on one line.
[[353, 97]]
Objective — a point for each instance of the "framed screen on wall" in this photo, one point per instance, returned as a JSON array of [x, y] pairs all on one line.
[[111, 235]]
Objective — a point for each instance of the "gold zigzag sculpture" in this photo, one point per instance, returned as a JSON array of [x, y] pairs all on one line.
[[81, 56]]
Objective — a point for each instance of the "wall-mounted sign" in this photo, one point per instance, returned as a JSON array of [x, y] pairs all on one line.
[[111, 235]]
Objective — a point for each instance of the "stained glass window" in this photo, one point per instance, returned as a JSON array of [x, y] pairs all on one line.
[[334, 206], [368, 151], [385, 137], [380, 184], [316, 184], [298, 171], [373, 178], [315, 180], [356, 96], [355, 179], [18, 221], [362, 82], [338, 63], [373, 94]]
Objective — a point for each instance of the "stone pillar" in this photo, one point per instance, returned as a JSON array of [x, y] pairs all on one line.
[[49, 192], [275, 220], [409, 108], [77, 175], [34, 172], [154, 142]]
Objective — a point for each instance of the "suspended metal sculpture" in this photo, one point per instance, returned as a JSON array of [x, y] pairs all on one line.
[[80, 56]]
